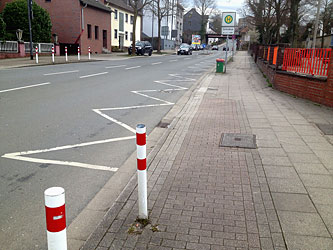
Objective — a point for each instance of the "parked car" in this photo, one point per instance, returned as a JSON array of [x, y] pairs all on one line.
[[224, 48], [201, 47], [184, 49], [215, 47], [194, 47], [141, 47]]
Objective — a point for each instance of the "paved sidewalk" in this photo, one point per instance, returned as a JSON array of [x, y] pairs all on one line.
[[203, 196]]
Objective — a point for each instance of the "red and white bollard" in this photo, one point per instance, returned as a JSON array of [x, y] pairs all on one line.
[[78, 53], [53, 54], [89, 52], [36, 54], [55, 218], [142, 170], [66, 58]]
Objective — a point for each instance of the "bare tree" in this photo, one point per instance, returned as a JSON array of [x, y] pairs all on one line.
[[161, 9], [137, 6], [205, 8], [326, 18]]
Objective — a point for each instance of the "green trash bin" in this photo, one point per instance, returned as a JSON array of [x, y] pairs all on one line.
[[219, 65]]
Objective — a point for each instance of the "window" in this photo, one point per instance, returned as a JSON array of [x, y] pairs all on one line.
[[115, 34], [126, 35], [47, 0], [96, 32], [132, 19], [131, 36], [126, 18], [89, 31], [115, 14]]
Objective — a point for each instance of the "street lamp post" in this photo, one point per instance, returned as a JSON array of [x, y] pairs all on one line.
[[30, 31]]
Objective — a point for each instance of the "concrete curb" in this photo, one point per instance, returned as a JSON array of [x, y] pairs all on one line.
[[155, 141]]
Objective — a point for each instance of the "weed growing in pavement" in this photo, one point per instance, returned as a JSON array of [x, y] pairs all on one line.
[[140, 224]]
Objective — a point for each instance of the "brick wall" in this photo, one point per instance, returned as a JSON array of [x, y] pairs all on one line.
[[316, 89]]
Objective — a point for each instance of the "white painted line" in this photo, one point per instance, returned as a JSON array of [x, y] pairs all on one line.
[[124, 125], [136, 107], [156, 63], [187, 58], [135, 67], [59, 73], [25, 87], [115, 66], [67, 163], [150, 97], [19, 155], [103, 73], [173, 60]]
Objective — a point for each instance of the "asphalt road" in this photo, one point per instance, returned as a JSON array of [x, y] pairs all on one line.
[[73, 126]]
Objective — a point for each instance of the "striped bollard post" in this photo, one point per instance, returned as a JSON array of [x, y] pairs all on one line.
[[53, 54], [36, 54], [78, 53], [66, 58], [89, 52], [55, 218], [142, 170]]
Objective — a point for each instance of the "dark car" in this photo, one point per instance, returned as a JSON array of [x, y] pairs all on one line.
[[184, 49], [141, 47], [194, 47]]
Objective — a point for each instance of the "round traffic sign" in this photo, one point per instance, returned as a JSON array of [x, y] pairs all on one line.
[[228, 19]]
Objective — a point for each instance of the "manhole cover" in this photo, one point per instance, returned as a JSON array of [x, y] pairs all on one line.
[[327, 129], [163, 125], [238, 141]]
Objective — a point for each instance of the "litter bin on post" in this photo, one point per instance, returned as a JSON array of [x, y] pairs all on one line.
[[219, 65]]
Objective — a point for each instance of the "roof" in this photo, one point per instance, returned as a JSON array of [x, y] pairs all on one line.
[[122, 4], [96, 4]]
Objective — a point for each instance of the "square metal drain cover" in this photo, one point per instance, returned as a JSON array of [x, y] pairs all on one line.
[[238, 141], [327, 129]]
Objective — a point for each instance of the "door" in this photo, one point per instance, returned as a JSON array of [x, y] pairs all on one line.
[[121, 41], [105, 39]]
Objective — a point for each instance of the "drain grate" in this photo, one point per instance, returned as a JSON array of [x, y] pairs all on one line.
[[163, 125], [238, 140], [327, 129]]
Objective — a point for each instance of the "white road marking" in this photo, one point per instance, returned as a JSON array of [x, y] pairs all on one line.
[[59, 73], [173, 60], [97, 74], [115, 66], [187, 58], [22, 156], [25, 87], [135, 67], [156, 63], [19, 155]]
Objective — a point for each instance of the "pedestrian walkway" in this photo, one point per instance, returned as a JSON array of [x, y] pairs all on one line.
[[204, 196]]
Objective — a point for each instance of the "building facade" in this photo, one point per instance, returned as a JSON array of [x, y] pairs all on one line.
[[174, 22], [79, 23], [122, 24], [192, 25]]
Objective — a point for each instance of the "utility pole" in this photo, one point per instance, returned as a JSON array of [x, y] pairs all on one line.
[[152, 28], [30, 31], [316, 25]]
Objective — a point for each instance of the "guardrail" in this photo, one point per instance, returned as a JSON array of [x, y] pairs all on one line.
[[42, 47], [9, 46], [307, 61]]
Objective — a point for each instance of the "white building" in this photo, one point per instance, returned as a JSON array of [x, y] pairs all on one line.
[[174, 22]]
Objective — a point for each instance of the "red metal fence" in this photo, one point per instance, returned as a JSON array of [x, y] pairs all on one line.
[[307, 61]]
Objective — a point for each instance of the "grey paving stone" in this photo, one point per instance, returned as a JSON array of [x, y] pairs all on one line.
[[286, 185], [293, 202], [315, 180], [308, 242], [280, 172], [326, 213], [302, 223], [321, 195], [310, 168]]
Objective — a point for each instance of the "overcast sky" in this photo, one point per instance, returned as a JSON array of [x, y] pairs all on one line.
[[229, 5]]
